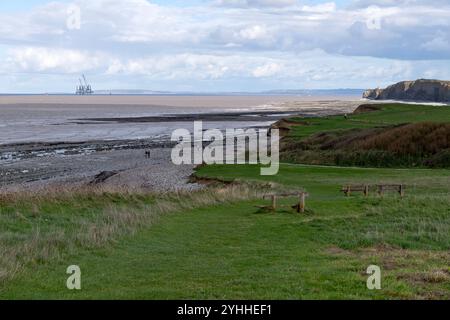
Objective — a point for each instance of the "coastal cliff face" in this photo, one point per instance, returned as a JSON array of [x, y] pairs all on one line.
[[419, 90]]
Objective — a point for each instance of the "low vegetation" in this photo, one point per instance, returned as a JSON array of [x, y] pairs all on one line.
[[44, 226], [424, 144], [370, 138]]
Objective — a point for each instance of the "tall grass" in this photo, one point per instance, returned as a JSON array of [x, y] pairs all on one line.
[[36, 227]]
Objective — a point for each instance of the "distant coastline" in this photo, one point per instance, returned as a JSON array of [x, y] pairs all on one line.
[[124, 92]]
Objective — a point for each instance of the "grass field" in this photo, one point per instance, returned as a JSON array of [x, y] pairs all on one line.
[[215, 244], [388, 115], [232, 251]]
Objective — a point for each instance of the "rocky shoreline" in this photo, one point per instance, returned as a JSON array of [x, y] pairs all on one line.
[[132, 170], [254, 116], [22, 151]]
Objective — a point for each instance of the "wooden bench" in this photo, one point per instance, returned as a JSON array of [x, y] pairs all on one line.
[[400, 188], [348, 189], [300, 207]]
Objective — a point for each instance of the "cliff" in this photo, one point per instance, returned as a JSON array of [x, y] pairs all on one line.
[[420, 90]]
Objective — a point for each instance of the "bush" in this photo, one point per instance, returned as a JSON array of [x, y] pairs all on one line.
[[440, 160], [425, 144], [375, 158]]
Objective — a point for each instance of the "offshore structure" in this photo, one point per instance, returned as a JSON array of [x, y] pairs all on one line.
[[84, 88]]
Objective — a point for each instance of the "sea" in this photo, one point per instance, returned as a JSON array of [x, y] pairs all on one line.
[[62, 118]]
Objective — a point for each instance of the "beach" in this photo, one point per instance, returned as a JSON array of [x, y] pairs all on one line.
[[59, 140]]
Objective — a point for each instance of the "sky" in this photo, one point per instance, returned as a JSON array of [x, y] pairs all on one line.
[[221, 45]]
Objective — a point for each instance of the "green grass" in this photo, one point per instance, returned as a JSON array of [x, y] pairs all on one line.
[[232, 251], [390, 114], [225, 252], [429, 192], [41, 228]]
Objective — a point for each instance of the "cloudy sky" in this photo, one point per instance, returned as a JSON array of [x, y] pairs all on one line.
[[221, 45]]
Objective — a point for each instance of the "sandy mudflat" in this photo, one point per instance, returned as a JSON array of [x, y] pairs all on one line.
[[173, 101], [25, 119]]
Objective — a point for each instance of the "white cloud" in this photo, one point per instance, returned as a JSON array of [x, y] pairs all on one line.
[[254, 32], [269, 25], [439, 43], [256, 3], [397, 3], [267, 70], [39, 59], [321, 8], [286, 41]]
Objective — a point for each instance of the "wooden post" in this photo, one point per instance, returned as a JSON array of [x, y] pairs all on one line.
[[302, 205], [366, 190], [381, 190], [349, 190], [402, 191], [274, 202]]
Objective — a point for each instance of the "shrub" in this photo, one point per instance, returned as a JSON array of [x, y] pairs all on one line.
[[409, 145]]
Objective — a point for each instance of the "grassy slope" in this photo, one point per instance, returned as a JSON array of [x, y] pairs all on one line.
[[344, 141], [232, 251], [390, 114]]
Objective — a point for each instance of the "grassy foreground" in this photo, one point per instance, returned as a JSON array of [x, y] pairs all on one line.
[[215, 244], [222, 250]]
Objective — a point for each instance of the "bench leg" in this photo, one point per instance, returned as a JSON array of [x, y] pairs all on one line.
[[348, 192], [302, 204], [274, 203], [402, 191]]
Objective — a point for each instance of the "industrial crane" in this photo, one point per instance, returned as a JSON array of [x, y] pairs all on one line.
[[84, 88]]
